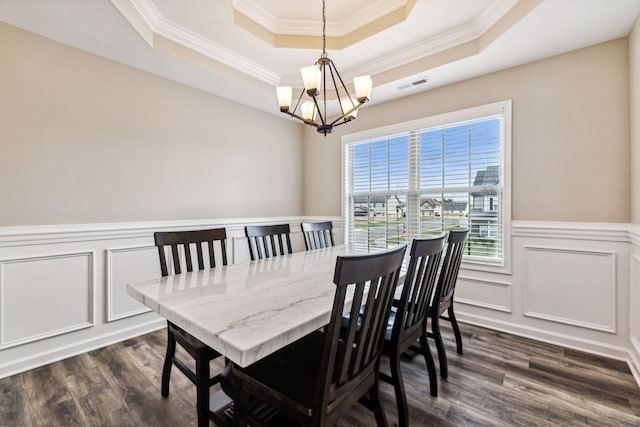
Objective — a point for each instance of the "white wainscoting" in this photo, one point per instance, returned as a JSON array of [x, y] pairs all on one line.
[[569, 285], [44, 296], [128, 265], [634, 301], [63, 287], [552, 277]]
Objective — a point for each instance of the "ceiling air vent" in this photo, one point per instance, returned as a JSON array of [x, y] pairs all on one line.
[[414, 84]]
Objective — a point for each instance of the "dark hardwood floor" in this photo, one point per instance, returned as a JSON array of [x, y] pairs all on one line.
[[501, 380]]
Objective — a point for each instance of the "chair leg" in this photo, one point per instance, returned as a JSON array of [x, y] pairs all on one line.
[[398, 386], [456, 329], [376, 405], [437, 336], [240, 405], [431, 365], [168, 363], [202, 390]]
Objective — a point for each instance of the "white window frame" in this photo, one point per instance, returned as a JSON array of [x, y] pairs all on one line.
[[503, 108]]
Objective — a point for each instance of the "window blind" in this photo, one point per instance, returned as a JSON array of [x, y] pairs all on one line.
[[419, 183]]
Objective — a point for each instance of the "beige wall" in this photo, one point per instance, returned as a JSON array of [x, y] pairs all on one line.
[[570, 135], [634, 72], [84, 139]]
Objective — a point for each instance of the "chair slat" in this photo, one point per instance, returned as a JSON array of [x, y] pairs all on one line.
[[264, 237], [176, 259], [187, 255], [317, 235], [177, 239]]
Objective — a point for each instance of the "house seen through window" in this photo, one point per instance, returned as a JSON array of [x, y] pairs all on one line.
[[418, 183]]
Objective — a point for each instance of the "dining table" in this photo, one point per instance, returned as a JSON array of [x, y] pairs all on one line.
[[247, 311]]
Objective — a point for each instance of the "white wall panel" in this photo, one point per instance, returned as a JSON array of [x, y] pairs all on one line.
[[45, 296], [128, 265], [634, 315], [63, 287], [572, 286], [490, 294]]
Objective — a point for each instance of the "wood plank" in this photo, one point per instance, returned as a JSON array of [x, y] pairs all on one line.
[[49, 400], [143, 401], [500, 380], [13, 405]]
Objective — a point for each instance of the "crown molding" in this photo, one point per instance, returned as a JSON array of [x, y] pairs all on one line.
[[312, 27], [194, 41], [493, 13], [186, 38], [438, 43], [148, 11]]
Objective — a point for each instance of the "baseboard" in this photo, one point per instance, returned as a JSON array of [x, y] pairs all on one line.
[[563, 340], [32, 361], [634, 359]]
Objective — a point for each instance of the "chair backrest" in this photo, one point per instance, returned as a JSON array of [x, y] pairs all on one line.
[[443, 296], [418, 288], [317, 235], [351, 355], [262, 240], [190, 240]]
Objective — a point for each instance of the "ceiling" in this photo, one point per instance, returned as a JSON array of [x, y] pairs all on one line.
[[242, 49]]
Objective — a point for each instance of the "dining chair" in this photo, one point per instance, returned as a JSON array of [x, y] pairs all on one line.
[[408, 316], [317, 234], [185, 242], [317, 379], [443, 296], [262, 240]]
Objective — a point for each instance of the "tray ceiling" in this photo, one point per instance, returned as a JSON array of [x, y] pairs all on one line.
[[242, 49]]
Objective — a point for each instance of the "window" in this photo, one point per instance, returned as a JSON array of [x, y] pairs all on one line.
[[419, 178]]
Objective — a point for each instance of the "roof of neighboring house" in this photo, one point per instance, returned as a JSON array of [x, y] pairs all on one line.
[[429, 202], [489, 176], [374, 199], [454, 206]]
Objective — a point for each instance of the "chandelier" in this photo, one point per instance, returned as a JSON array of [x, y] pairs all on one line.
[[316, 80]]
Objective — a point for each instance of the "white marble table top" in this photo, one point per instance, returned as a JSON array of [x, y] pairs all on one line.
[[247, 311]]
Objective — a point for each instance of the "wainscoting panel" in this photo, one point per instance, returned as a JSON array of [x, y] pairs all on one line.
[[634, 316], [128, 265], [571, 286], [490, 294], [63, 288], [45, 296]]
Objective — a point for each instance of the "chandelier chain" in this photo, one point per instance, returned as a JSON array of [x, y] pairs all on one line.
[[324, 26]]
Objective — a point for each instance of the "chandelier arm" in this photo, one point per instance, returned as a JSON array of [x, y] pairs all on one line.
[[298, 102], [341, 82], [333, 68], [315, 101], [341, 123], [308, 122], [344, 116]]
